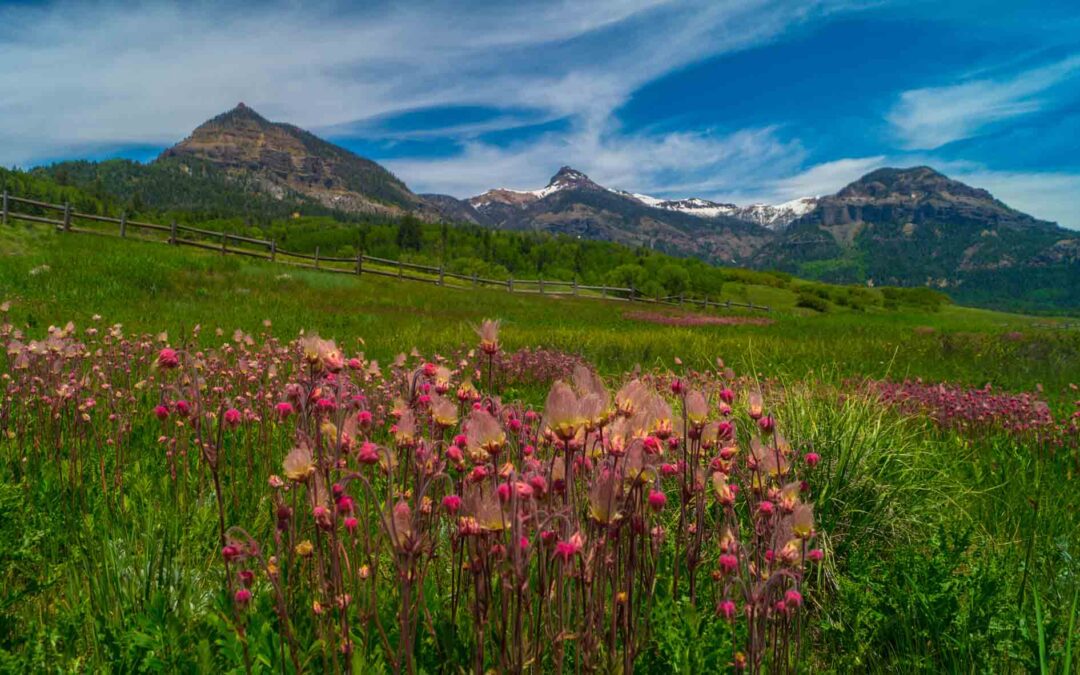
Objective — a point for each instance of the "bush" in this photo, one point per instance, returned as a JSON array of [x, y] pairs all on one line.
[[809, 300]]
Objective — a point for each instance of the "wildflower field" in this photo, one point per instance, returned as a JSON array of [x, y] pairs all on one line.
[[215, 466]]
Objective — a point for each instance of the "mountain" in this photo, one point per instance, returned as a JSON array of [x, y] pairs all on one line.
[[573, 204], [287, 159], [775, 217], [916, 226]]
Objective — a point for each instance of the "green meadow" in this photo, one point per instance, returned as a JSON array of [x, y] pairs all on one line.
[[947, 550]]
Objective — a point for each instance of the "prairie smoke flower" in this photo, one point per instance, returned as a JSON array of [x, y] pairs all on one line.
[[232, 418], [242, 597], [363, 418], [298, 464], [405, 430], [697, 409], [368, 453], [765, 508], [489, 336], [323, 354], [561, 411], [812, 459], [247, 577], [183, 408], [755, 406], [728, 563], [657, 500], [727, 395], [443, 412], [168, 358], [802, 521], [766, 424], [161, 412], [451, 503], [230, 552], [815, 555], [283, 410], [726, 609], [351, 523], [567, 549], [483, 435], [793, 598]]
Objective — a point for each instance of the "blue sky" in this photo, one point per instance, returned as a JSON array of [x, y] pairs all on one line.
[[734, 100]]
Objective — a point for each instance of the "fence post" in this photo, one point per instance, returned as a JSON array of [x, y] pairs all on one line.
[[316, 257], [442, 272], [223, 242], [359, 264], [633, 292], [172, 232], [729, 303], [67, 216], [510, 284], [273, 250], [575, 285], [123, 224], [474, 279], [603, 291], [541, 285], [400, 269], [5, 208]]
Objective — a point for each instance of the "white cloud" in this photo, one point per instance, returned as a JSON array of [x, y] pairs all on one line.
[[149, 74], [929, 118]]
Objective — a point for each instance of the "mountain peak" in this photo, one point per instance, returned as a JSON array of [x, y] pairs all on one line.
[[569, 177], [917, 182]]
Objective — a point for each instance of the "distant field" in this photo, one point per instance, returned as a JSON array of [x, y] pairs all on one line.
[[51, 278]]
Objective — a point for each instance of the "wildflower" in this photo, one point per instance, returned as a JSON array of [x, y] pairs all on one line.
[[567, 549], [275, 481], [183, 408], [657, 500], [793, 598], [168, 358], [351, 523], [443, 412], [489, 337], [727, 395], [232, 418], [247, 577], [161, 412], [230, 552], [812, 459], [483, 435], [765, 508], [815, 555], [755, 405], [363, 418], [305, 548], [726, 609], [766, 424], [242, 597], [696, 408], [728, 563], [283, 410], [561, 411], [802, 521], [298, 463], [451, 503]]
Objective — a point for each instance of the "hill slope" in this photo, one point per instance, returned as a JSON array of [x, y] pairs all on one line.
[[916, 226], [289, 158]]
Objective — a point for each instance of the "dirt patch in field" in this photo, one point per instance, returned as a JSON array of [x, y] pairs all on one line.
[[697, 319]]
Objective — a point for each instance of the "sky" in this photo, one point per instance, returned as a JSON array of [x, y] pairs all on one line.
[[732, 100]]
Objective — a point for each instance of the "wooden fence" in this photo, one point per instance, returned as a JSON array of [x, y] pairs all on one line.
[[69, 221]]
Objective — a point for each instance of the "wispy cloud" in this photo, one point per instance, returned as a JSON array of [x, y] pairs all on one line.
[[149, 74], [931, 117]]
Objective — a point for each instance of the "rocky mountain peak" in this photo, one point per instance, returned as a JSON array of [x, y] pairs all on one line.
[[567, 177]]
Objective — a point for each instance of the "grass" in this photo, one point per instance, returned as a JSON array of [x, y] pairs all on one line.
[[153, 287], [947, 552]]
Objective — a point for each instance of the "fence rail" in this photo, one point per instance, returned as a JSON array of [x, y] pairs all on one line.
[[211, 240]]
